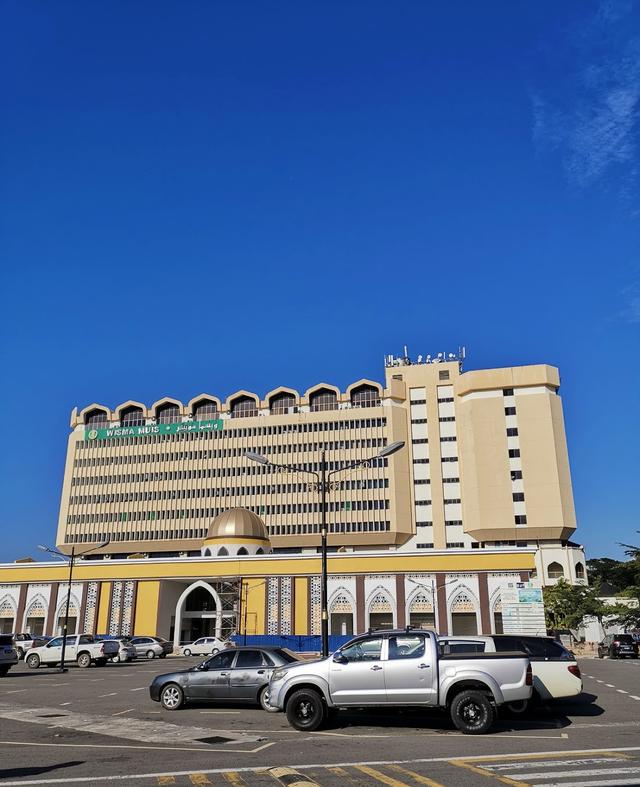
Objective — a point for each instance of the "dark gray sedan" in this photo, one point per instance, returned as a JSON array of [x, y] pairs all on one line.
[[234, 675]]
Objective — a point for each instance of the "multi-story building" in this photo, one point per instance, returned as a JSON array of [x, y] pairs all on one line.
[[485, 465]]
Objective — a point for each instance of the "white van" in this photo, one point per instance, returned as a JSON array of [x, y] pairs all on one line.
[[556, 673]]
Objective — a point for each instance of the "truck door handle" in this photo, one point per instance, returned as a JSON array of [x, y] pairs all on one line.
[[376, 667], [423, 666]]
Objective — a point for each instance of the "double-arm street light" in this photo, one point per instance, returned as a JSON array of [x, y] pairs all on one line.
[[323, 484], [71, 558], [434, 587]]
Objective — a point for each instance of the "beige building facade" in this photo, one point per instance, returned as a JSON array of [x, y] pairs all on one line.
[[485, 467]]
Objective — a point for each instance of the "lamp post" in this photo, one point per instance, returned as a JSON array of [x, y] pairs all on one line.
[[434, 587], [71, 558], [322, 484]]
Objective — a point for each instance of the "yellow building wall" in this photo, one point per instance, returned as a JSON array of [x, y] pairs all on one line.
[[103, 609], [147, 608], [301, 601], [254, 605]]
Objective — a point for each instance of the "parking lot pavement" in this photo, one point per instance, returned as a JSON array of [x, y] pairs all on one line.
[[99, 725]]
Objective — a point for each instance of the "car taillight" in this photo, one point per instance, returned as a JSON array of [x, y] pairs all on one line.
[[574, 669], [616, 642], [529, 678]]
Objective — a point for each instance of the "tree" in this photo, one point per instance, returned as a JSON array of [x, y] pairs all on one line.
[[566, 605]]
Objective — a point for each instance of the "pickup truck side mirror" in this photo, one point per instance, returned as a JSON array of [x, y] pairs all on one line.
[[339, 658]]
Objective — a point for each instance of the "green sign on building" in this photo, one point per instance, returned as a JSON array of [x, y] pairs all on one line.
[[153, 429]]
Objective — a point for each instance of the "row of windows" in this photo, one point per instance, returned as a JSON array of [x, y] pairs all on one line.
[[189, 533], [418, 420], [455, 545], [418, 481], [218, 453], [181, 494], [198, 513], [445, 399], [253, 431], [424, 546], [443, 459]]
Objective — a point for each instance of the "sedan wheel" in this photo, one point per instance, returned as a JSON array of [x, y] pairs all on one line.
[[263, 698], [186, 652], [171, 697], [151, 654]]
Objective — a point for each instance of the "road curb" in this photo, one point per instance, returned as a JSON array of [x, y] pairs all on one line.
[[290, 778]]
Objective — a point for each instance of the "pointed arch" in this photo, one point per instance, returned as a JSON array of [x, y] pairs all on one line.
[[380, 609], [180, 605], [204, 407], [243, 404], [8, 611], [364, 393], [37, 603], [91, 415], [495, 607], [323, 397], [131, 413], [281, 400], [420, 609], [167, 410], [463, 610]]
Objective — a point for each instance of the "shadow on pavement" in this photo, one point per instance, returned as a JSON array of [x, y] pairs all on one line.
[[6, 773]]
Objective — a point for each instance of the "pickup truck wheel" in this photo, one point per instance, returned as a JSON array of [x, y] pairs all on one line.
[[472, 712], [518, 708], [33, 661], [263, 699], [305, 710], [172, 696], [84, 660]]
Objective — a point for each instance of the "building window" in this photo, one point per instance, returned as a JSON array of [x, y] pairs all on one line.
[[555, 571], [323, 399], [424, 524], [132, 416], [518, 497], [443, 374], [365, 396], [514, 453], [516, 475], [96, 418], [507, 392], [282, 403], [168, 414], [418, 420], [424, 546], [579, 571], [455, 545], [205, 410], [512, 432], [520, 519], [418, 440], [244, 407], [509, 410]]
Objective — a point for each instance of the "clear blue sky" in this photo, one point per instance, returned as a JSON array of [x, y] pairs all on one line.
[[202, 196]]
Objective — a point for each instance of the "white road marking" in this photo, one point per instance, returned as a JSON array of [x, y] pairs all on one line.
[[142, 688], [15, 691], [96, 680], [633, 697], [609, 685], [599, 681], [220, 711], [307, 767], [65, 703], [121, 712], [503, 766], [110, 694], [567, 774], [605, 783], [622, 691]]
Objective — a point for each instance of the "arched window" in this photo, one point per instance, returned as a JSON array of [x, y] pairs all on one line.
[[207, 552], [96, 418], [259, 551], [463, 615], [555, 571], [323, 399], [243, 551], [579, 571], [223, 552], [205, 410], [7, 617], [341, 616], [132, 416], [498, 625], [168, 413], [380, 612], [244, 407], [421, 613], [365, 396], [281, 403]]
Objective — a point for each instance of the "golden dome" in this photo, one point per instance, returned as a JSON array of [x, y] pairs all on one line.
[[237, 523]]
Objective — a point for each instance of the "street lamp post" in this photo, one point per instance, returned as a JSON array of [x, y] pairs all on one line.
[[434, 587], [323, 484], [71, 558]]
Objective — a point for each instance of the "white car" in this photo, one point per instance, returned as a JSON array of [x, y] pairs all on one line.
[[81, 648], [556, 673], [205, 646]]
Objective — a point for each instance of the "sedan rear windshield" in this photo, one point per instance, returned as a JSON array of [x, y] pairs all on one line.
[[626, 638]]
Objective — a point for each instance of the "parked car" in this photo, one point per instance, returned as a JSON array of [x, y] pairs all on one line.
[[238, 674], [81, 648], [8, 654], [398, 668], [205, 646], [24, 642], [152, 647], [556, 672], [618, 646], [126, 651]]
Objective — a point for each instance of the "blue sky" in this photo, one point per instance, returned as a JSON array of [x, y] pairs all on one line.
[[204, 197]]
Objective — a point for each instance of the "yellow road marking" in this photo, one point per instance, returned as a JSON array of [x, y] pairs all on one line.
[[344, 775], [381, 777], [234, 778], [199, 778], [166, 779], [415, 776], [482, 772]]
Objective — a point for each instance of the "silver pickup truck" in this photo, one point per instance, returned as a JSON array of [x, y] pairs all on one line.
[[401, 667]]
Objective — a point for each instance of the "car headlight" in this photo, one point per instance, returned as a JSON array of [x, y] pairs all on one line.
[[278, 674]]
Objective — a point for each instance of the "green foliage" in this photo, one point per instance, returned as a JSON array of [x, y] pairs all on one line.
[[566, 605]]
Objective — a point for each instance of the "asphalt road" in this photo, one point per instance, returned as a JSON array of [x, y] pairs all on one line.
[[98, 726]]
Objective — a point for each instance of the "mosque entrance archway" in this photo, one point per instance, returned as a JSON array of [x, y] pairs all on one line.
[[201, 611]]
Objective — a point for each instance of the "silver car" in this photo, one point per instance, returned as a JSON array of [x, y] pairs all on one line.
[[126, 652], [151, 647]]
